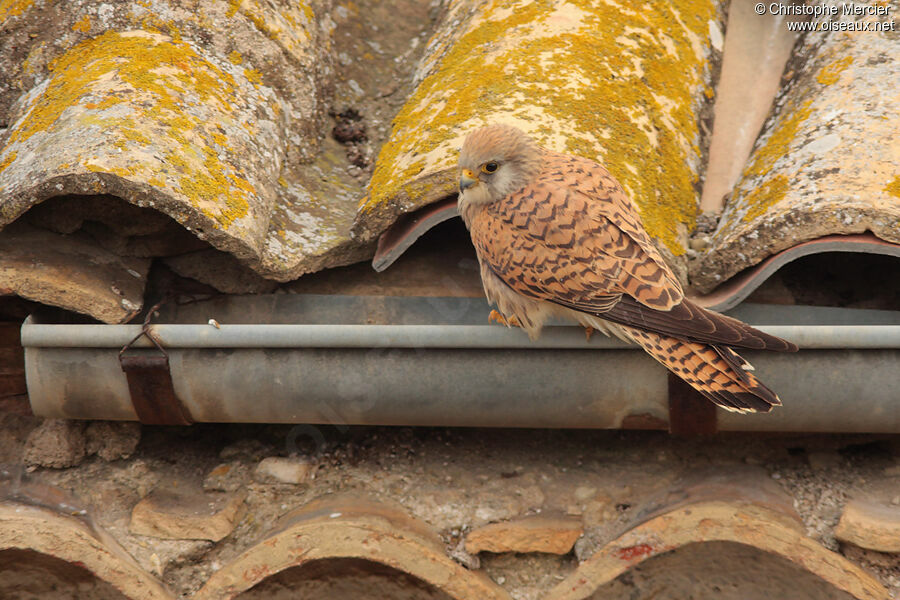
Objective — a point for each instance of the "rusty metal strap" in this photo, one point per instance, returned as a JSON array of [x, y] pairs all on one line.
[[152, 393], [689, 412], [150, 382]]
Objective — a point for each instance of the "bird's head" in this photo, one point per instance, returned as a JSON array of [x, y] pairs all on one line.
[[494, 162]]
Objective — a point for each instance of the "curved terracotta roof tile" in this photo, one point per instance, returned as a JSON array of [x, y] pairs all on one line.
[[213, 114], [608, 80], [346, 526], [354, 535], [827, 161], [743, 507], [76, 545]]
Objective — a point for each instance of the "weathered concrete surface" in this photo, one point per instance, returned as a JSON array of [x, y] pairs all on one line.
[[627, 86], [745, 507], [347, 526], [828, 160], [49, 533], [71, 272]]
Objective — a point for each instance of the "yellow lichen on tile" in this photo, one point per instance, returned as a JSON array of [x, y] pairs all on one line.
[[253, 76], [768, 191], [8, 160], [120, 171], [778, 144], [33, 58], [136, 59], [831, 72], [13, 8], [308, 12], [562, 71], [284, 24], [83, 25], [168, 77], [893, 188], [152, 22], [209, 183], [762, 198], [162, 108]]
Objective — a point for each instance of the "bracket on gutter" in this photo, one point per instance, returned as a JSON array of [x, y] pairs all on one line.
[[150, 382], [689, 412]]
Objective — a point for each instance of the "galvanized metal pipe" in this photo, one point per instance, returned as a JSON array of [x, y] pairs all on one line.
[[335, 369], [410, 336]]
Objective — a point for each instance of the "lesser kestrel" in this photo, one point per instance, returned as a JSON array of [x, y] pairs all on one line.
[[557, 236]]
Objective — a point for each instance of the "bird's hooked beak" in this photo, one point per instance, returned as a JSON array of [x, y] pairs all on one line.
[[466, 179]]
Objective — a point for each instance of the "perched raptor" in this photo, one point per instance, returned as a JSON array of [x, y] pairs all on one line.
[[556, 235]]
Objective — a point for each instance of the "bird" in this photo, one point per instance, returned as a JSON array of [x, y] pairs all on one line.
[[557, 236]]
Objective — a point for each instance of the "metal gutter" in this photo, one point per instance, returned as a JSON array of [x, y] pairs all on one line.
[[425, 361], [411, 336]]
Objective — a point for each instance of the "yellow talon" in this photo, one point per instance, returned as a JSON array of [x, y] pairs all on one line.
[[588, 332], [495, 316]]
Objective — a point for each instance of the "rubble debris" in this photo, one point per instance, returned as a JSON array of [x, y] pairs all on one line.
[[533, 533], [56, 443], [227, 477], [112, 440], [870, 524], [277, 469], [187, 515]]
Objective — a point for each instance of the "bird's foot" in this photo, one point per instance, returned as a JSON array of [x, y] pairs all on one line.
[[495, 316], [588, 332]]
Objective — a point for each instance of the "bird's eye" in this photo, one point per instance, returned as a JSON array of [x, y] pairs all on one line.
[[490, 167]]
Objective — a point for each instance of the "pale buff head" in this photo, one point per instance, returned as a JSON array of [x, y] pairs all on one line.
[[494, 162]]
